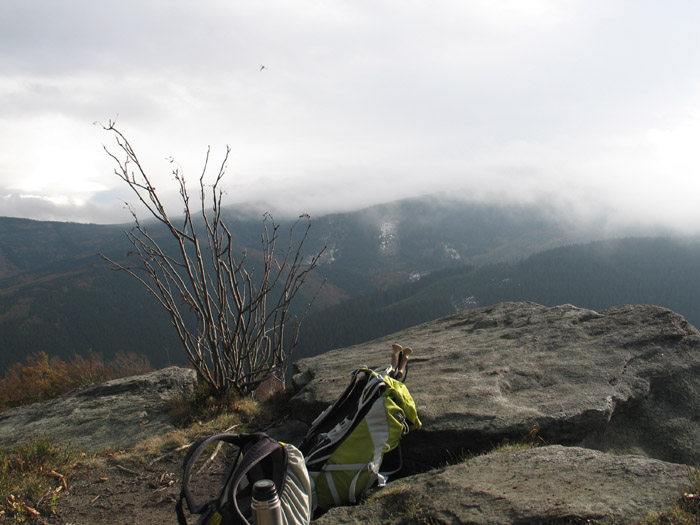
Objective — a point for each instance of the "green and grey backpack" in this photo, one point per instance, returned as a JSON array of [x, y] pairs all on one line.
[[256, 457], [346, 445]]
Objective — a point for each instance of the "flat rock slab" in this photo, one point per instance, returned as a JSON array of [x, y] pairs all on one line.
[[552, 484], [116, 414], [626, 379]]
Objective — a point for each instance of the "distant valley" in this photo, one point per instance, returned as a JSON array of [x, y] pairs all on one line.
[[385, 268], [596, 275]]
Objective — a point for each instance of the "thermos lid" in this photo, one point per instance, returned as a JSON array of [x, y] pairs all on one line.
[[264, 490]]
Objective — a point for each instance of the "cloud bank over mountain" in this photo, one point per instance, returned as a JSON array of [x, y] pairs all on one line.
[[589, 108]]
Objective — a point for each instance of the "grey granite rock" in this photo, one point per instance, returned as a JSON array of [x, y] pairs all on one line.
[[625, 379], [115, 414], [552, 484]]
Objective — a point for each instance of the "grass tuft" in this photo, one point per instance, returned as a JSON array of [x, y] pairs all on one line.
[[399, 505], [200, 404], [530, 440], [198, 413], [31, 477]]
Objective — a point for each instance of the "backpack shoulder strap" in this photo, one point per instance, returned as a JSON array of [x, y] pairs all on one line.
[[263, 448], [199, 446], [343, 406]]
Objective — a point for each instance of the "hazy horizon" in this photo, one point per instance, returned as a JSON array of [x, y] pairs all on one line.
[[587, 109]]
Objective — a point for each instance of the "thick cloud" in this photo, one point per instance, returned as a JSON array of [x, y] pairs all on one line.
[[588, 107]]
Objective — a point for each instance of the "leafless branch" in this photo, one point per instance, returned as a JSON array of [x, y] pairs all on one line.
[[231, 313]]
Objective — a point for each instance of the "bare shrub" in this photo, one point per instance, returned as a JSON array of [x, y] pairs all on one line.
[[232, 315]]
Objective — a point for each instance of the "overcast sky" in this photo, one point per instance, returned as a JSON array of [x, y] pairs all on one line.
[[591, 107]]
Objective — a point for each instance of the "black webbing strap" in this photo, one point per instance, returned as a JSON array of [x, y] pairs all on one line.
[[262, 446], [333, 416]]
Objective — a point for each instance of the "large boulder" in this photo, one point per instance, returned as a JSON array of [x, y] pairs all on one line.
[[552, 484], [626, 379], [116, 414]]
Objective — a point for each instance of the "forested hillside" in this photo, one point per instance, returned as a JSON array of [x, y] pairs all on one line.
[[658, 271], [31, 248], [92, 308], [58, 296]]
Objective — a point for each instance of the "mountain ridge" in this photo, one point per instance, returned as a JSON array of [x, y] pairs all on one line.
[[60, 297]]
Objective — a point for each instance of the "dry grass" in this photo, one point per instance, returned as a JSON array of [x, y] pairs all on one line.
[[31, 477], [399, 505], [531, 439], [198, 414], [201, 405]]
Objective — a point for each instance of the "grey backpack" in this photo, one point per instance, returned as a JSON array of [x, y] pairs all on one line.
[[257, 456]]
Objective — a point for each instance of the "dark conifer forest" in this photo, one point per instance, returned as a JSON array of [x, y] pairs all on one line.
[[384, 269]]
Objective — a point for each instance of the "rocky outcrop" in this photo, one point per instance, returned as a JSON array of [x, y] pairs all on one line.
[[552, 484], [619, 388], [624, 380], [116, 414]]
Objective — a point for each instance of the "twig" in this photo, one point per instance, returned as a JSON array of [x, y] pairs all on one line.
[[211, 458], [60, 477], [127, 470], [31, 511], [174, 451], [216, 450], [165, 486]]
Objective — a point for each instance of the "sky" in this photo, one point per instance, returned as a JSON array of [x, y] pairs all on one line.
[[588, 108]]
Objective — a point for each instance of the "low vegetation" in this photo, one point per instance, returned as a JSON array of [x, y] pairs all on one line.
[[32, 475], [203, 404], [42, 377], [201, 412], [532, 439], [399, 505]]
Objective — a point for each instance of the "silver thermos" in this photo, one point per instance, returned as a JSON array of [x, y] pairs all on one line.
[[266, 504]]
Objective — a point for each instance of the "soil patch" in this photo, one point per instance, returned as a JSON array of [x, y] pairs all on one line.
[[130, 492]]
